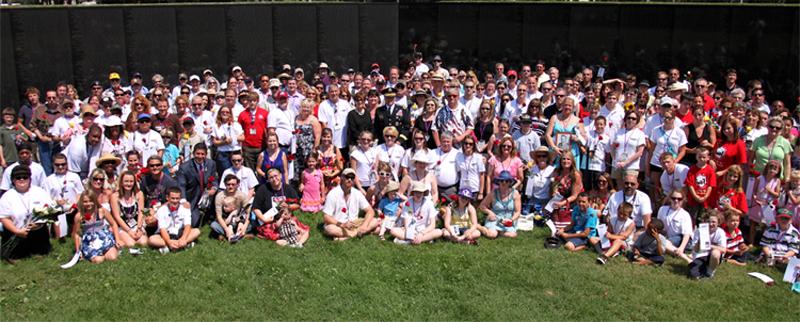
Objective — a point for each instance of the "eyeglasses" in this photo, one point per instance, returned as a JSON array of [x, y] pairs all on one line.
[[236, 160], [485, 109], [505, 100], [155, 165], [60, 164], [120, 94], [384, 174], [546, 89], [557, 95], [501, 88], [630, 184], [669, 118], [138, 104], [467, 143], [197, 104], [676, 198], [776, 128], [98, 179], [21, 178]]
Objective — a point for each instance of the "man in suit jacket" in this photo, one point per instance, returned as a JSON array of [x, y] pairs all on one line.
[[392, 114], [195, 177]]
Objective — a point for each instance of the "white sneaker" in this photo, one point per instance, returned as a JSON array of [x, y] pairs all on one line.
[[190, 245], [163, 250], [135, 251], [401, 241]]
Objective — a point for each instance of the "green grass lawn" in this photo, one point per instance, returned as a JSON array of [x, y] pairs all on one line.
[[372, 280]]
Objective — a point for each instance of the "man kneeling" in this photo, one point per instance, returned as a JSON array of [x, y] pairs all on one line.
[[175, 230]]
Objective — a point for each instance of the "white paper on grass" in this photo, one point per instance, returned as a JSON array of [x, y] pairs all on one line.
[[552, 227], [601, 230], [73, 261], [62, 226], [705, 238], [792, 270], [764, 278]]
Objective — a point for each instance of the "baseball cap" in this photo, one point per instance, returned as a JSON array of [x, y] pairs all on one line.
[[299, 70], [144, 116], [348, 171], [194, 78], [113, 76], [274, 82], [323, 65]]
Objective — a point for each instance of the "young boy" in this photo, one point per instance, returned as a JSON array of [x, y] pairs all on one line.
[[737, 248], [582, 227], [700, 180], [650, 246], [705, 262], [620, 232], [389, 207], [175, 230], [781, 241]]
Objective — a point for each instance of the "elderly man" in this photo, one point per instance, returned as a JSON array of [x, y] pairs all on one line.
[[342, 205], [281, 118], [333, 115], [642, 210], [196, 178]]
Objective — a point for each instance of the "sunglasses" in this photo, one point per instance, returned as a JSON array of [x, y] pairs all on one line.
[[384, 174], [507, 147], [776, 128], [630, 184], [389, 136], [350, 177], [676, 199], [419, 139], [467, 143], [155, 165], [21, 178], [59, 164], [503, 181], [98, 179]]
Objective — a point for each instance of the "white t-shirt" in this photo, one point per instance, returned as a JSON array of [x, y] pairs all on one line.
[[19, 206], [656, 120], [364, 162], [539, 181], [526, 143], [37, 176], [473, 106], [614, 118], [717, 238], [147, 144], [409, 163], [471, 168], [232, 130], [676, 222], [173, 221], [63, 126], [393, 156], [335, 118], [341, 209], [445, 165], [419, 216], [639, 200], [625, 144], [666, 141], [618, 226], [247, 179], [203, 121], [599, 143], [283, 122], [67, 186], [674, 181]]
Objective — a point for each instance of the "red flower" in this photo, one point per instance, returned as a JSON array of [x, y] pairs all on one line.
[[344, 210], [210, 180], [610, 124], [496, 142], [46, 206], [173, 208], [87, 216], [205, 122], [453, 197], [144, 141], [508, 223], [535, 126], [290, 157], [616, 145], [601, 138], [408, 203], [16, 128], [153, 203], [381, 216], [267, 166], [439, 162], [297, 131]]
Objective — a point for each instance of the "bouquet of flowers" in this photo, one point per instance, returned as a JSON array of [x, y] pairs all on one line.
[[46, 214]]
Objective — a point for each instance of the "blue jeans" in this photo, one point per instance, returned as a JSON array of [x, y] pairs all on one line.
[[46, 152], [676, 240], [223, 161]]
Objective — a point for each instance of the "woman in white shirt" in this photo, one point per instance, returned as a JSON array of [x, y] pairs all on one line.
[[665, 138], [226, 137], [21, 236], [627, 147], [390, 152], [419, 218], [362, 159]]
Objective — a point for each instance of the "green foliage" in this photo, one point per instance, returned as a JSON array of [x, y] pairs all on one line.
[[372, 280]]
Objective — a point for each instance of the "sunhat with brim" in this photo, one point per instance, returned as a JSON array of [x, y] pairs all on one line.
[[504, 176], [392, 186], [418, 186], [108, 157], [420, 157]]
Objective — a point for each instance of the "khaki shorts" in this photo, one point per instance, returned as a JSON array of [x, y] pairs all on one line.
[[619, 174]]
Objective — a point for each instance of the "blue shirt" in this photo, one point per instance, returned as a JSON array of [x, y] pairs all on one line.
[[581, 221], [389, 206]]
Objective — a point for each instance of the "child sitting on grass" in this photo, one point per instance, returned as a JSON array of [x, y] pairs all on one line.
[[737, 249], [236, 221], [649, 248], [582, 228], [389, 207], [290, 231], [781, 241], [461, 220], [705, 261], [620, 232]]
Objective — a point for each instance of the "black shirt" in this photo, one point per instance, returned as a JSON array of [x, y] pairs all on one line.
[[357, 123], [155, 190], [265, 195]]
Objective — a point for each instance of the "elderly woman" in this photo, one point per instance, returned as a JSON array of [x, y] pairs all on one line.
[[390, 151], [307, 135], [502, 208], [99, 240], [772, 146], [419, 219], [420, 173], [22, 237]]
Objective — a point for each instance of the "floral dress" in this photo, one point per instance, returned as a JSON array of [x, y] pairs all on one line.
[[304, 140], [97, 238], [328, 163]]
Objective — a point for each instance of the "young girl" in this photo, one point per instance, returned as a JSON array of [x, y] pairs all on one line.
[[376, 192], [767, 189], [596, 150], [330, 158], [312, 185], [127, 205], [737, 249], [461, 220], [650, 247], [291, 231], [620, 232], [792, 199], [99, 240], [389, 207], [730, 196]]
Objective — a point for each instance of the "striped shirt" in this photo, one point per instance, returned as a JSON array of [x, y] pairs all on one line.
[[781, 242], [735, 239]]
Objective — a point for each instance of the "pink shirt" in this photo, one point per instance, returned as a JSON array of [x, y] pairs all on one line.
[[512, 166]]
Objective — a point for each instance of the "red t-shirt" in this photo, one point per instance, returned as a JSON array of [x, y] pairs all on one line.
[[727, 154], [253, 127], [687, 118], [708, 104], [702, 180], [736, 198]]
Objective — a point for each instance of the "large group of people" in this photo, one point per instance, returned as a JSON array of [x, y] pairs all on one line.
[[685, 167]]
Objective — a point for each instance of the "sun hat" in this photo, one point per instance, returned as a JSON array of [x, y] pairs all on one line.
[[418, 186], [392, 186], [466, 193], [106, 157], [348, 171], [504, 176], [420, 157]]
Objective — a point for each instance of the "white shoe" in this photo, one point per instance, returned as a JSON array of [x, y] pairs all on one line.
[[135, 251], [163, 250], [401, 241], [190, 245]]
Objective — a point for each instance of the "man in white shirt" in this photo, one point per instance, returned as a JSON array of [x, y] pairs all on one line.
[[419, 67], [183, 80], [63, 186], [37, 175], [247, 179], [282, 119], [64, 127], [642, 211], [175, 230], [470, 102], [333, 115], [446, 168], [203, 120], [84, 150], [342, 205]]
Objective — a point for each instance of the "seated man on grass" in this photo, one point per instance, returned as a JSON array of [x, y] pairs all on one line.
[[781, 241], [582, 228], [175, 230], [342, 205]]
